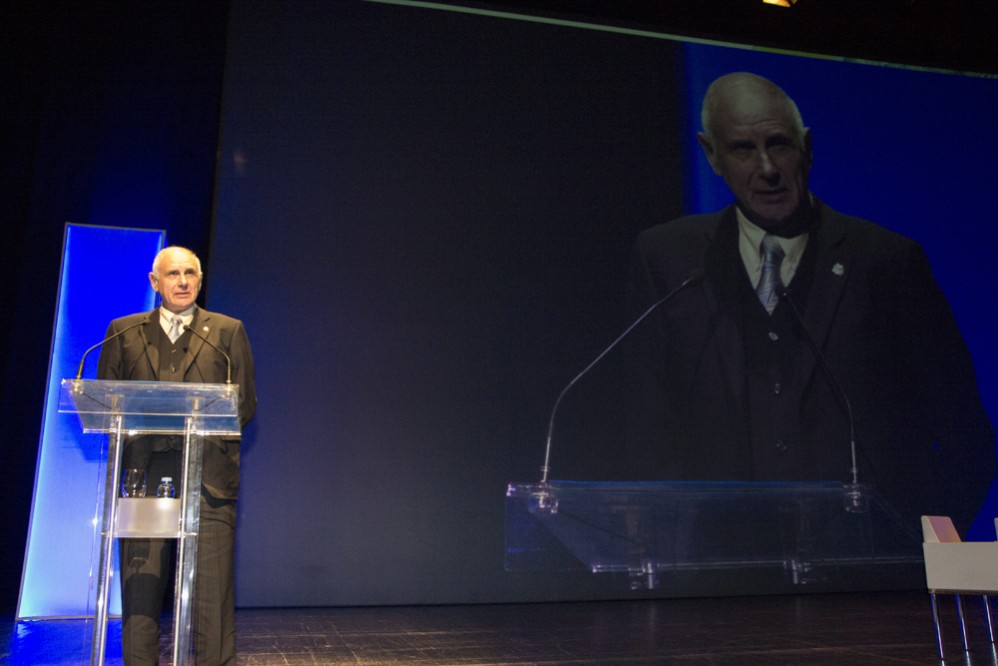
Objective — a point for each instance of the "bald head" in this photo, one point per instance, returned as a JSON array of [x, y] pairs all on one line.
[[174, 251], [740, 89]]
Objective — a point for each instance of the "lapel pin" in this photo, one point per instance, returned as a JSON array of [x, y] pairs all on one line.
[[838, 269]]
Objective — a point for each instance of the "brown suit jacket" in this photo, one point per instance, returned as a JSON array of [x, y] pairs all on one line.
[[132, 356]]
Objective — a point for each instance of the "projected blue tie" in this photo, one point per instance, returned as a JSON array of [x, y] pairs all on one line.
[[770, 283]]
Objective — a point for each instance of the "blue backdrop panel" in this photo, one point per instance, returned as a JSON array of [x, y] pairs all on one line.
[[102, 277]]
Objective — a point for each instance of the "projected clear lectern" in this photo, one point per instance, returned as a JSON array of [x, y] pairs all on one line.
[[130, 408], [796, 534]]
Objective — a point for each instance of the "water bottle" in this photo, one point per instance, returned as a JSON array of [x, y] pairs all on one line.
[[165, 488]]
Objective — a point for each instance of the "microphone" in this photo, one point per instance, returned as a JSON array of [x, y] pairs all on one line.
[[228, 361], [79, 371], [695, 278], [854, 493]]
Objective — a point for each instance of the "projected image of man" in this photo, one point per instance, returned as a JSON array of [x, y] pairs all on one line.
[[725, 382]]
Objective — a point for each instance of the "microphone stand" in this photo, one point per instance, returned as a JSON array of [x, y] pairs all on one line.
[[546, 467], [855, 492], [228, 361]]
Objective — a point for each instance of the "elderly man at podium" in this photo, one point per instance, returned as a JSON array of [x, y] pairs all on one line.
[[162, 346]]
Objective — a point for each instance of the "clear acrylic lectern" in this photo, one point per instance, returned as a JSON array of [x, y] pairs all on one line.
[[795, 533], [128, 408]]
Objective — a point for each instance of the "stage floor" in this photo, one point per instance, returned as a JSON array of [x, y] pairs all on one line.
[[889, 628]]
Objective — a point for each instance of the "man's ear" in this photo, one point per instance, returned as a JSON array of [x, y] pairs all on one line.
[[708, 151], [808, 148], [153, 282]]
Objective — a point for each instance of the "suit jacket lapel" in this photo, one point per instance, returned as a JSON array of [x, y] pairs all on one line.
[[195, 343], [721, 264], [152, 350], [831, 274]]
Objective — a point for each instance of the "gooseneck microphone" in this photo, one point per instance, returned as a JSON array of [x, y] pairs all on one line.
[[853, 490], [228, 361], [694, 278], [79, 370]]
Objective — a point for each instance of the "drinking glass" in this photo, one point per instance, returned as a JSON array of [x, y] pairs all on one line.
[[133, 483]]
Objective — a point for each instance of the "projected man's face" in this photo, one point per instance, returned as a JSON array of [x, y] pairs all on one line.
[[177, 279], [763, 155]]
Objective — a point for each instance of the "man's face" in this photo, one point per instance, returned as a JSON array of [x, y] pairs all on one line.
[[177, 280], [762, 156]]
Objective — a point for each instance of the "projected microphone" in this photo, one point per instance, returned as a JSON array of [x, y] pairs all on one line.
[[854, 494], [228, 362], [79, 371], [693, 279]]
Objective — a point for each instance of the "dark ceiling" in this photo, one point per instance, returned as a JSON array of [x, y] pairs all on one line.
[[947, 34]]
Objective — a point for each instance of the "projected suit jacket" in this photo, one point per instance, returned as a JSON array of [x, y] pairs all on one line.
[[869, 300], [132, 356]]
